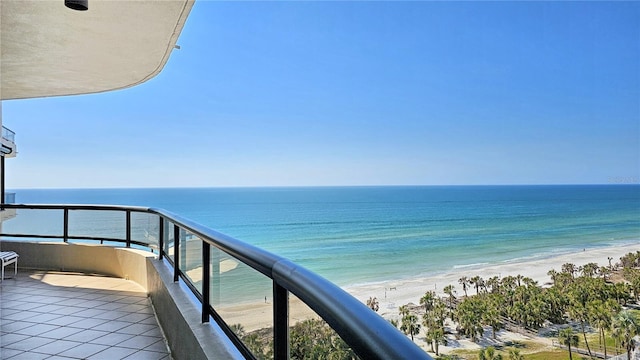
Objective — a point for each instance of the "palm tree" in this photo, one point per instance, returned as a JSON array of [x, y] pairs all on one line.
[[469, 315], [493, 283], [552, 274], [449, 291], [625, 327], [514, 354], [437, 336], [601, 315], [519, 279], [569, 268], [580, 294], [409, 324], [489, 354], [477, 282], [589, 270], [373, 304], [568, 338], [556, 301], [237, 329], [464, 282], [427, 300], [491, 315]]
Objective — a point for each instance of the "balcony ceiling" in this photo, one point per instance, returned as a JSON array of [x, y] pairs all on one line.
[[47, 49]]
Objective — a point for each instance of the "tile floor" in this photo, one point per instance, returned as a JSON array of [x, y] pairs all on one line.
[[55, 315]]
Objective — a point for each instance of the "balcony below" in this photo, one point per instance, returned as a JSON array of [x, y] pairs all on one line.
[[8, 142], [46, 314]]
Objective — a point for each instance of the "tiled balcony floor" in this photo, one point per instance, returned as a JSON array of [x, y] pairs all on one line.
[[55, 315]]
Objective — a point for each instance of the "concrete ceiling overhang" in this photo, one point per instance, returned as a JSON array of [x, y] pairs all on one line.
[[47, 49]]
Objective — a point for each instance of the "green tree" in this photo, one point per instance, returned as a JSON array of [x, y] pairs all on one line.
[[409, 322], [314, 339], [553, 275], [427, 300], [568, 338], [556, 304], [601, 314], [633, 276], [464, 281], [373, 304], [491, 315], [630, 260], [438, 337], [450, 293], [625, 327], [494, 284], [604, 271], [589, 269], [581, 293], [569, 268], [477, 283], [489, 354], [469, 315], [514, 354]]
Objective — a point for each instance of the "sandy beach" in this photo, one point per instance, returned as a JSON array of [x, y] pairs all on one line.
[[393, 294]]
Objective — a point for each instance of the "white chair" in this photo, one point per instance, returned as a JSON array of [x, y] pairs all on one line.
[[7, 258]]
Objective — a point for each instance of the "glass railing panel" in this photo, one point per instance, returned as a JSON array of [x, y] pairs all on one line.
[[37, 222], [311, 337], [9, 198], [191, 257], [243, 297], [168, 239], [145, 228], [8, 134], [104, 224]]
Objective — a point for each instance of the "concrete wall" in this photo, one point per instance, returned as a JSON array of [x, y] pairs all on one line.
[[87, 258], [177, 312], [180, 319]]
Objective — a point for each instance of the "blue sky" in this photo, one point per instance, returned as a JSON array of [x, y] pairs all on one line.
[[358, 93]]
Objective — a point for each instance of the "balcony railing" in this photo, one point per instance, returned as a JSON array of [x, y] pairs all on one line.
[[8, 134], [222, 273]]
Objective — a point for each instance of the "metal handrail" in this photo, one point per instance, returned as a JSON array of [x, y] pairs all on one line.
[[367, 333]]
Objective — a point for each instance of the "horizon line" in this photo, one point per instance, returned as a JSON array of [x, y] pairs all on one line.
[[321, 186]]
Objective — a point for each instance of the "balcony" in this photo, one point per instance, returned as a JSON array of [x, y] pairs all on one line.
[[8, 141], [8, 134], [214, 296], [73, 315]]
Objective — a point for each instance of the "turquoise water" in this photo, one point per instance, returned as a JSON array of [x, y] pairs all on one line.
[[355, 235]]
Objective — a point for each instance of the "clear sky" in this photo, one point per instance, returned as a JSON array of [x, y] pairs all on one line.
[[358, 93]]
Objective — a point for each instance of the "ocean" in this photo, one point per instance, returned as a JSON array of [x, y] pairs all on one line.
[[360, 235]]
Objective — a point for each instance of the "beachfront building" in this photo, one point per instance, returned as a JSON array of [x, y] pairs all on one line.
[[186, 271], [8, 149]]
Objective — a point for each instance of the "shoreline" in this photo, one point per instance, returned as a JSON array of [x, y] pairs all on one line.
[[478, 266], [392, 294]]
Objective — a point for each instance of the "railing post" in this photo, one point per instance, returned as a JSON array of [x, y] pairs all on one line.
[[280, 322], [128, 228], [65, 226], [176, 252], [206, 280], [161, 238], [1, 182]]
